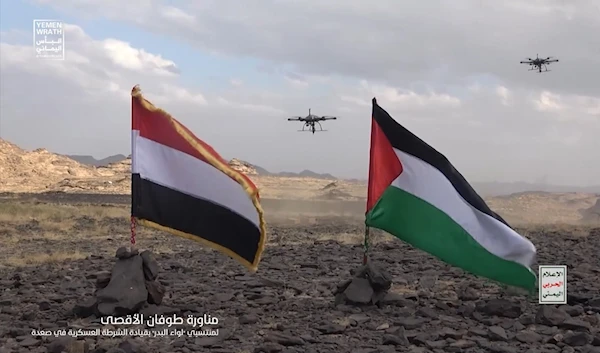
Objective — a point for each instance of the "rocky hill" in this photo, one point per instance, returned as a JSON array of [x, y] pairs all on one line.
[[252, 169], [42, 171], [37, 170], [237, 164], [243, 167], [592, 214]]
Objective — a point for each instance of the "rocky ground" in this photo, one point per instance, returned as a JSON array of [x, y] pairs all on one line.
[[288, 305]]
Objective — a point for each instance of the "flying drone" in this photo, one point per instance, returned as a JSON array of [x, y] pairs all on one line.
[[537, 63], [310, 120]]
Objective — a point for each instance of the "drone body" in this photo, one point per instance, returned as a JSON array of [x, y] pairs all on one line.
[[311, 120], [537, 63]]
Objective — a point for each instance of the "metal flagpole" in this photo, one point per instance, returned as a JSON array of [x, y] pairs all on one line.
[[369, 191], [366, 245]]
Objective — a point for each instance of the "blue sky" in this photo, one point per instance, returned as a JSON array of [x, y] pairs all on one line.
[[195, 65]]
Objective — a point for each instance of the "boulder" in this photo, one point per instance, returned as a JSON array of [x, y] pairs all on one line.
[[369, 285], [126, 292], [130, 286]]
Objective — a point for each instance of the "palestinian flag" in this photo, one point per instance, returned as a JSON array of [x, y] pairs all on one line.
[[416, 195], [182, 186]]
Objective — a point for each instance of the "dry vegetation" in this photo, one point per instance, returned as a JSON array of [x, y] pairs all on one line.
[[34, 232]]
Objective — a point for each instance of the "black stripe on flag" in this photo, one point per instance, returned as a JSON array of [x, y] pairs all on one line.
[[404, 140], [195, 217]]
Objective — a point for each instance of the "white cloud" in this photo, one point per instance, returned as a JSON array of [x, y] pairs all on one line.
[[178, 15], [399, 98], [548, 102], [392, 41], [504, 94], [182, 95], [122, 54], [88, 93], [447, 71]]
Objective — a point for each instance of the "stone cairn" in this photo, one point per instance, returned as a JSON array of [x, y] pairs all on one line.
[[131, 285], [369, 285]]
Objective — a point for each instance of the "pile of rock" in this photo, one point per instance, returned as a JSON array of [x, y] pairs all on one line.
[[131, 284], [370, 285]]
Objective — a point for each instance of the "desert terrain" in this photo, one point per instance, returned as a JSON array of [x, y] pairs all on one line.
[[61, 223]]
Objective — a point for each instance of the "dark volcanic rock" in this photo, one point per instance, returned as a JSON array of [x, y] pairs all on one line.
[[102, 279], [528, 337], [359, 291], [497, 333], [575, 325], [501, 307], [284, 340], [396, 340], [369, 286], [125, 253], [126, 293], [156, 292], [432, 307], [60, 344], [151, 267], [85, 308], [550, 315], [578, 339], [379, 278]]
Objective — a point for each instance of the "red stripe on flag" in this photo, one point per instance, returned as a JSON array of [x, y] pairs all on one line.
[[157, 126], [384, 165]]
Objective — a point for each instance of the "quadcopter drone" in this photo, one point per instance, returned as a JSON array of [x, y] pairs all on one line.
[[537, 63], [310, 120]]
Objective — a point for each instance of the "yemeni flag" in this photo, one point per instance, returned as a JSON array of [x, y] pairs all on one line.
[[182, 186], [416, 195]]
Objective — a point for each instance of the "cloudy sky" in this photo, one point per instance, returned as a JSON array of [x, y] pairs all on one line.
[[233, 71]]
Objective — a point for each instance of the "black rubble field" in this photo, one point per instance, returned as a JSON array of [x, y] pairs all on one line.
[[288, 305]]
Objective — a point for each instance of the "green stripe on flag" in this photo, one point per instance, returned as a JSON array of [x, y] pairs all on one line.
[[424, 226]]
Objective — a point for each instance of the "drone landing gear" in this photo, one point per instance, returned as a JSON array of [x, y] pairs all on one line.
[[312, 127]]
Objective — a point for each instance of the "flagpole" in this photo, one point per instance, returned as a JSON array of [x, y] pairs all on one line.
[[134, 91], [369, 195], [369, 192], [366, 245]]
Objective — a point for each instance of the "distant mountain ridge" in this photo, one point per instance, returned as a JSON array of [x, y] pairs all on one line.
[[91, 161], [485, 189], [305, 174], [507, 188], [252, 169]]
